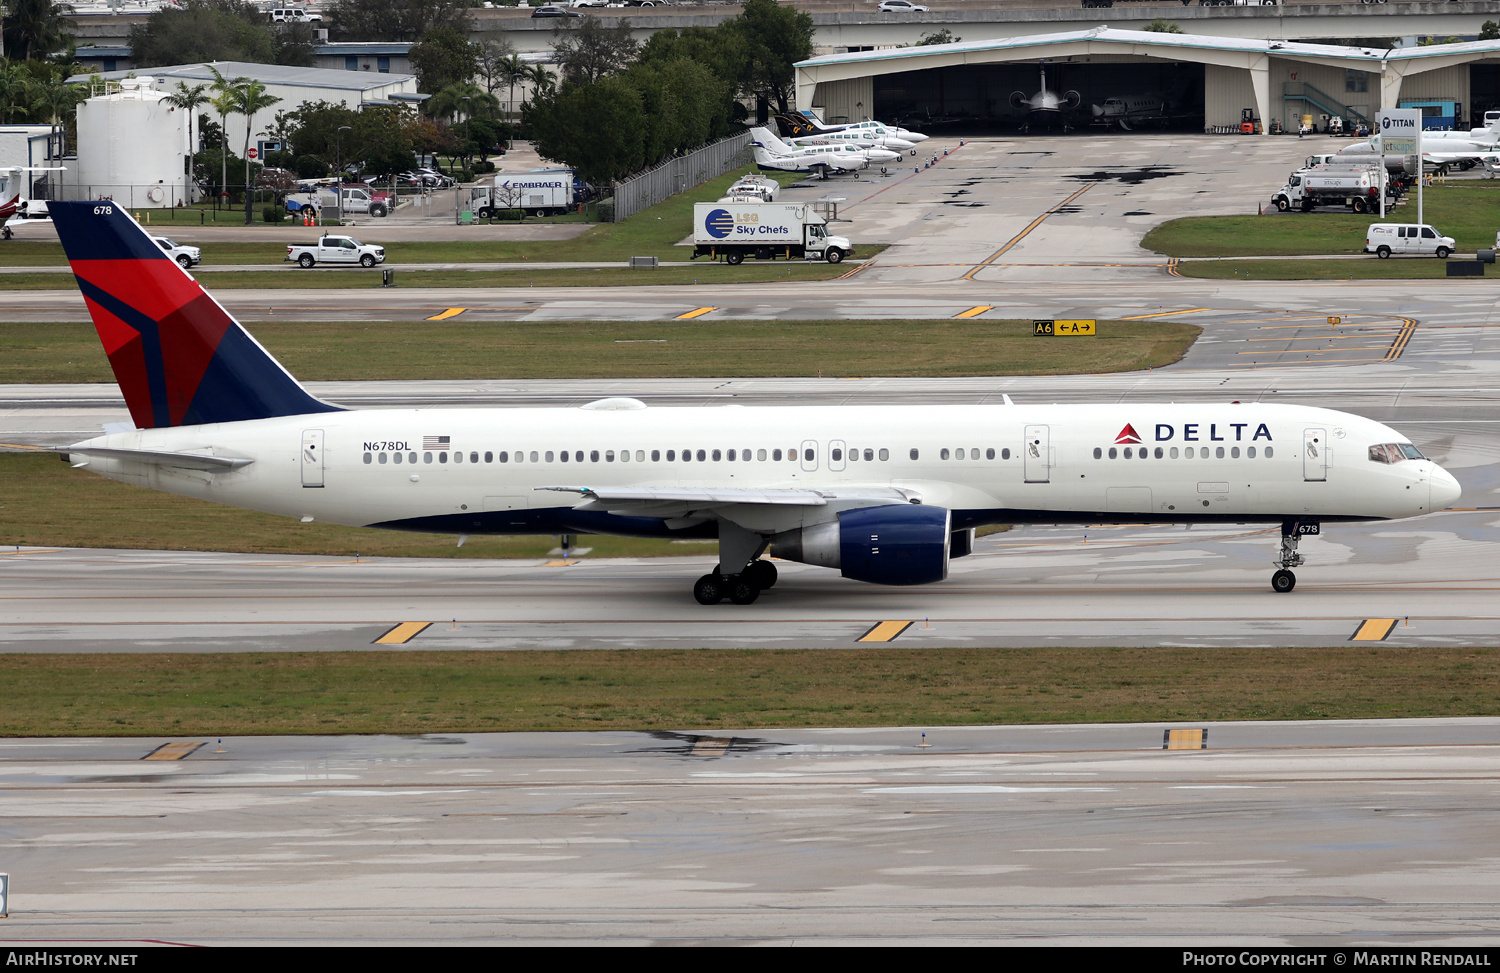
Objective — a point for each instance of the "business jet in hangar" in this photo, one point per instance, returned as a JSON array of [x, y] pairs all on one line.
[[882, 494]]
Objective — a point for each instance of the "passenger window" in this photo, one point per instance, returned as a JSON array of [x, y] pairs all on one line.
[[760, 454], [1250, 452], [593, 456], [671, 455], [729, 456], [458, 457], [885, 455], [443, 457], [382, 459], [1427, 233], [397, 457], [369, 459], [505, 457], [1219, 452], [411, 458], [1174, 452], [563, 455], [548, 456], [578, 456], [1190, 452], [776, 455], [489, 457], [609, 455], [1005, 453], [913, 454], [1270, 452], [1234, 452], [427, 457], [656, 455], [869, 455], [990, 453], [943, 454], [534, 455], [702, 454], [959, 453], [717, 455], [1098, 453], [1128, 453], [836, 455], [640, 455], [1159, 453]]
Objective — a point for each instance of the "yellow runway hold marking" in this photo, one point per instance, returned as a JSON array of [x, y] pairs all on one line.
[[452, 312], [1408, 325], [560, 563], [1184, 739], [173, 751], [1373, 630], [974, 312], [695, 313], [884, 631], [402, 634], [1167, 314]]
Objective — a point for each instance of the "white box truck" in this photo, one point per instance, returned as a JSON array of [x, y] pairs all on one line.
[[1356, 188], [765, 231], [541, 192]]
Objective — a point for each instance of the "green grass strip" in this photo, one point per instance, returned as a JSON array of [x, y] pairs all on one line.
[[227, 695], [1361, 268]]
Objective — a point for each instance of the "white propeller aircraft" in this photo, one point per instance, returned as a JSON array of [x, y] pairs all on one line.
[[806, 123], [772, 153], [882, 494], [867, 138]]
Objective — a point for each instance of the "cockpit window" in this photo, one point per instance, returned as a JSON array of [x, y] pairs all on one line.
[[1394, 452]]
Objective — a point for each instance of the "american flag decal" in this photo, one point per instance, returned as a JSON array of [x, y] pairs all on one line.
[[435, 442]]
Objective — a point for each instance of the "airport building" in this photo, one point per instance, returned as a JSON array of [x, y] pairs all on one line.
[[1200, 82]]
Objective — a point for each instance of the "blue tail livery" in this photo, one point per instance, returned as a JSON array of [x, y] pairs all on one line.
[[179, 357]]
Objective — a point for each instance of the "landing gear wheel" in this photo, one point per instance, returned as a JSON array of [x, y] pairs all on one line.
[[1283, 581], [742, 590], [710, 589], [762, 574], [733, 258]]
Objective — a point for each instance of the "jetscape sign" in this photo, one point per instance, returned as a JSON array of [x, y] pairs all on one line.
[[1400, 130]]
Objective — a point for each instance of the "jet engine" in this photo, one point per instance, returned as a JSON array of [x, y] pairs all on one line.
[[895, 544]]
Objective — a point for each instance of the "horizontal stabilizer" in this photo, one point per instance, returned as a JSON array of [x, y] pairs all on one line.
[[158, 457]]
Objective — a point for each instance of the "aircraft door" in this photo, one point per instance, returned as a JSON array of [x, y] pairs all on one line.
[[312, 457], [1314, 454], [809, 455], [1037, 453], [836, 451]]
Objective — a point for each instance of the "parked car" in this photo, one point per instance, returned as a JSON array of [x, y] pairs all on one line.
[[186, 256], [552, 10], [1384, 239], [589, 3], [294, 15], [901, 7]]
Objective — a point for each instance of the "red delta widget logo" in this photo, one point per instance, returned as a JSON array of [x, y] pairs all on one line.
[[1193, 432]]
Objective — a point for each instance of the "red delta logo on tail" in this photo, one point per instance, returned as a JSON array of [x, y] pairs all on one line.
[[179, 357], [1128, 435]]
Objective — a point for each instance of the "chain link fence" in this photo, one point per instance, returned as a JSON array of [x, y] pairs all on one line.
[[680, 174]]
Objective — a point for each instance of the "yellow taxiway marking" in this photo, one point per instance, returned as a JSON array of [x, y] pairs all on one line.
[[402, 634], [697, 312], [884, 631], [1184, 739], [173, 751], [451, 312], [1172, 266], [1408, 325], [560, 563], [1373, 630], [1022, 235], [974, 312], [54, 550], [1167, 314], [42, 449]]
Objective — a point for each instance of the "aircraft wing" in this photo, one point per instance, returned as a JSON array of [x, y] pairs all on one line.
[[156, 457], [677, 500]]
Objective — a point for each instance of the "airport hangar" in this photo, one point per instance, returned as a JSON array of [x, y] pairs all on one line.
[[969, 84]]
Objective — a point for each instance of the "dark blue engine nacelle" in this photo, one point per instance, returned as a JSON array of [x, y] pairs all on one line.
[[897, 544]]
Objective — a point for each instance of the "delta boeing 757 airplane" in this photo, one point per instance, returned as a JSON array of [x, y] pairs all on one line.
[[883, 494]]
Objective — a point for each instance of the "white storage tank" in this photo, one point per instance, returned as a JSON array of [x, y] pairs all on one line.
[[132, 146]]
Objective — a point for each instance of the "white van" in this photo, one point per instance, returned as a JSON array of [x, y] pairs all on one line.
[[1384, 239]]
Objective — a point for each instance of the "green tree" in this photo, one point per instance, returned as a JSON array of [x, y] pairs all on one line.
[[944, 36], [189, 100], [1490, 31], [443, 58], [1160, 26], [378, 140], [724, 52], [34, 29], [203, 31], [591, 49], [248, 100], [777, 36], [595, 128], [15, 91], [396, 20], [225, 103]]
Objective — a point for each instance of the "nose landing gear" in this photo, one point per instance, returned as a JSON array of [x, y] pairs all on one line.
[[1291, 532]]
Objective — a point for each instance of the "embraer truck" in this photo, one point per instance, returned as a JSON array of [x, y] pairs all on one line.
[[765, 231]]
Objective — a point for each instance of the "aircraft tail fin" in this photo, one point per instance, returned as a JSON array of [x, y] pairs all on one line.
[[769, 139], [178, 356]]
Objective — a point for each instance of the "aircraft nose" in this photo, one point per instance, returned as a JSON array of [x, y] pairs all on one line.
[[1443, 489]]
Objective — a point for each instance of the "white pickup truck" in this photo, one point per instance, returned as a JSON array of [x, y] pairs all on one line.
[[336, 250]]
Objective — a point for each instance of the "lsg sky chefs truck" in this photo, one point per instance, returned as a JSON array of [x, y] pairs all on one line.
[[765, 231]]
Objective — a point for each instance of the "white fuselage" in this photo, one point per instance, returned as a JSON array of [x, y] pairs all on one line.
[[988, 464]]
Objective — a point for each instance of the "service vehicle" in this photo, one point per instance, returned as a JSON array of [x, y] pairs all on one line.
[[1351, 187], [753, 185], [901, 7], [294, 15], [336, 250], [765, 231], [186, 257], [540, 192], [1384, 239], [357, 200]]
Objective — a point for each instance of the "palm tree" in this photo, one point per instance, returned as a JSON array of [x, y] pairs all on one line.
[[15, 90], [511, 69], [225, 104], [541, 79], [464, 98], [54, 99], [36, 28], [189, 100], [249, 99]]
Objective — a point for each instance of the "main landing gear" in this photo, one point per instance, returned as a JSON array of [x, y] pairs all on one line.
[[741, 589], [1291, 531], [738, 548]]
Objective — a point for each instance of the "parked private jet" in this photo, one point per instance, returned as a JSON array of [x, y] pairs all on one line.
[[1047, 108], [806, 123], [883, 494]]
